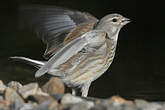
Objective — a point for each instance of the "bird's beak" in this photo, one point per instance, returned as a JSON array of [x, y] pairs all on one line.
[[125, 21]]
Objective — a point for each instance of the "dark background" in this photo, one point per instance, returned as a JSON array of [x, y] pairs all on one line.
[[138, 68]]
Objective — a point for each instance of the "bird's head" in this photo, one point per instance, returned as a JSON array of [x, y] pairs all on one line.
[[112, 24], [115, 20]]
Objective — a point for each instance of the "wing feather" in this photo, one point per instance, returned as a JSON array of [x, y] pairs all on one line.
[[52, 23], [71, 49]]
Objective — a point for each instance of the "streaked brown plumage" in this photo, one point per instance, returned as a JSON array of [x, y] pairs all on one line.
[[80, 47]]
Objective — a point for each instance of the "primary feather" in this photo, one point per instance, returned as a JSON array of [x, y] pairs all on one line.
[[52, 24]]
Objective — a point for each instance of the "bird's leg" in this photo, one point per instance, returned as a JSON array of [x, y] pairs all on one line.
[[85, 89], [73, 92]]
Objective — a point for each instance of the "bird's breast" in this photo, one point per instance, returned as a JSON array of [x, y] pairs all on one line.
[[83, 68]]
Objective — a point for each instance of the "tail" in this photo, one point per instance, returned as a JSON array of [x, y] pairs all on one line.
[[35, 63]]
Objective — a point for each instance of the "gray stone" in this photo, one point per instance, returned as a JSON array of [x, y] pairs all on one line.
[[58, 97], [140, 103], [40, 98], [70, 99], [27, 106], [2, 86], [62, 107], [54, 86], [117, 101], [163, 106], [99, 107], [15, 85], [1, 98], [105, 106], [31, 89], [114, 103], [79, 106], [53, 105], [2, 107], [40, 92], [5, 103], [144, 105], [43, 106], [12, 96]]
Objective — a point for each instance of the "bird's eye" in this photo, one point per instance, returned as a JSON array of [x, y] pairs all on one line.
[[114, 20]]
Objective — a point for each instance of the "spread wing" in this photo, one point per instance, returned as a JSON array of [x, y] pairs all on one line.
[[52, 24], [90, 39]]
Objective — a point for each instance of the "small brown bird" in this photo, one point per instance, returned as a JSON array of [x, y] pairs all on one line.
[[80, 48]]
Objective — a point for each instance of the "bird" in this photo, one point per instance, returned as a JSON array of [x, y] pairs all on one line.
[[79, 46]]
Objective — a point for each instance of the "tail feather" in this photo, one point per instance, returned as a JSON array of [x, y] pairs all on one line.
[[35, 63]]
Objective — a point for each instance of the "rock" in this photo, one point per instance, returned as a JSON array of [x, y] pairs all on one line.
[[15, 85], [36, 99], [31, 89], [40, 92], [79, 106], [53, 105], [2, 87], [140, 103], [58, 97], [163, 107], [54, 86], [105, 106], [72, 106], [43, 106], [27, 106], [90, 104], [114, 103], [70, 99], [116, 100], [40, 98], [63, 107], [1, 98], [99, 107], [144, 105], [4, 105], [12, 96]]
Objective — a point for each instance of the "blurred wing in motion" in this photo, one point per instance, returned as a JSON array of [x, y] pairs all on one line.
[[90, 39], [53, 24]]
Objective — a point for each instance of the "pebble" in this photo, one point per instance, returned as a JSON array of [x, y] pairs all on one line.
[[117, 101], [2, 107], [15, 85], [2, 86], [40, 92], [54, 86], [1, 98], [33, 98], [53, 105], [43, 106], [12, 96], [27, 106], [31, 89], [40, 98], [79, 106], [70, 99], [144, 105], [63, 107]]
